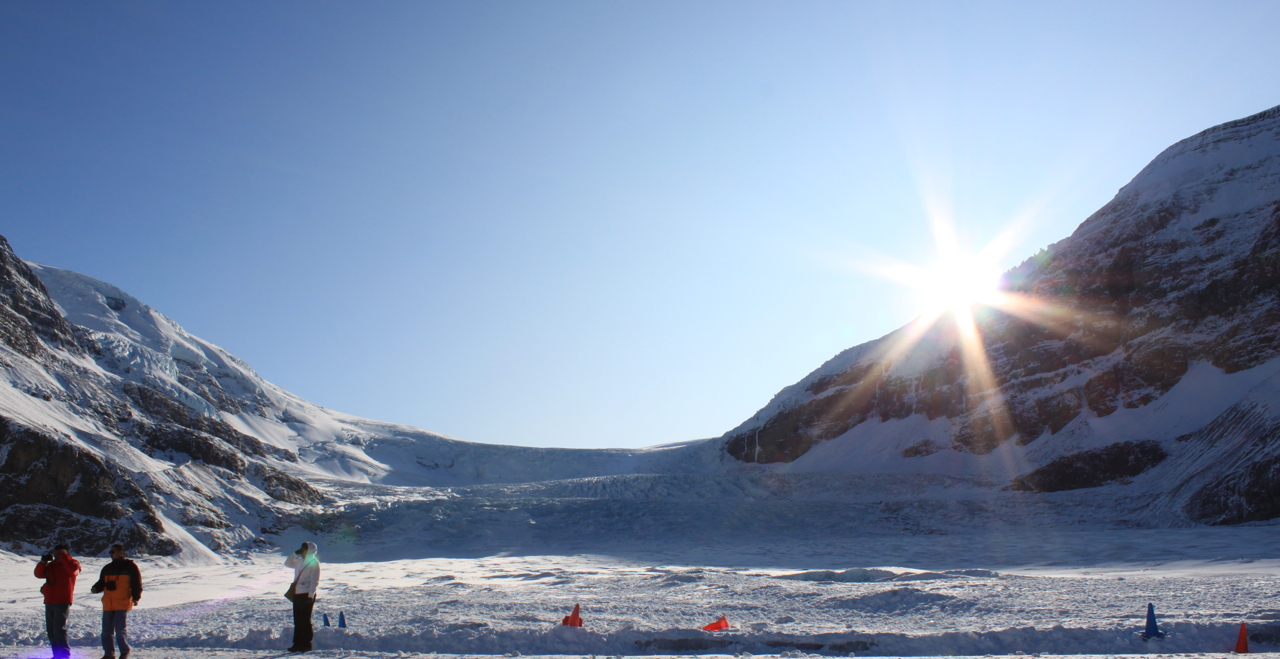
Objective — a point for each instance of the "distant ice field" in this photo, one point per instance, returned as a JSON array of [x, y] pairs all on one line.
[[997, 593]]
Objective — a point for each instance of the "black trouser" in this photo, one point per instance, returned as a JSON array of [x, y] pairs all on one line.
[[55, 623], [302, 632]]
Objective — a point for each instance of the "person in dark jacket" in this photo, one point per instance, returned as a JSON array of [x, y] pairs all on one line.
[[59, 571], [121, 586]]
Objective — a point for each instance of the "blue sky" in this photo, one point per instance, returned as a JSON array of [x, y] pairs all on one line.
[[580, 224]]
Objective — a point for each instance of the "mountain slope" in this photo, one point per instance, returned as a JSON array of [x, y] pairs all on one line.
[[118, 425], [1156, 321], [1134, 381]]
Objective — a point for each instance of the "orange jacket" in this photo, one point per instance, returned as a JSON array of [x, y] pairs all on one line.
[[120, 584]]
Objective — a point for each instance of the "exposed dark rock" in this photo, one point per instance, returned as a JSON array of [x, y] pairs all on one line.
[[27, 314], [282, 486], [216, 452], [853, 375], [1252, 276], [790, 433], [1157, 366], [1101, 392], [39, 527], [17, 333], [920, 449], [55, 489], [944, 401], [1249, 494], [1128, 301], [166, 410], [206, 516], [1092, 468], [985, 431], [198, 380], [1027, 424], [213, 451], [39, 473], [1056, 411], [1249, 341]]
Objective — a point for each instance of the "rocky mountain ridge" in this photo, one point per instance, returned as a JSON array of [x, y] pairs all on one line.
[[1136, 381], [116, 425], [89, 483], [1181, 268]]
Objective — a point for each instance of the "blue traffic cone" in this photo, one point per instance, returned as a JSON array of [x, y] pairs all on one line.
[[1151, 631], [326, 619], [342, 621]]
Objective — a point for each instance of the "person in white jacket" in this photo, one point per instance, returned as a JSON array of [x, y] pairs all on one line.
[[306, 582]]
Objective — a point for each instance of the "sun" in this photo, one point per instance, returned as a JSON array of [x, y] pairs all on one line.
[[958, 283], [954, 280]]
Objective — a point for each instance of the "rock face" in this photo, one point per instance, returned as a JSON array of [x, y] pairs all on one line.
[[1093, 468], [1181, 268], [1250, 495], [79, 481], [27, 315], [57, 491], [1231, 465]]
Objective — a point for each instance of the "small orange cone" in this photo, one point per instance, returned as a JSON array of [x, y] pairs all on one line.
[[722, 623], [573, 619], [1242, 645]]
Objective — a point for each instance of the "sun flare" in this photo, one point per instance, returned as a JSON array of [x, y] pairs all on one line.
[[958, 284]]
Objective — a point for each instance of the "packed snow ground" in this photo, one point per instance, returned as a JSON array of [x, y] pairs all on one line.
[[945, 596]]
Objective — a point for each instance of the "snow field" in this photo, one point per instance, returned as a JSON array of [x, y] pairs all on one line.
[[502, 605], [205, 653]]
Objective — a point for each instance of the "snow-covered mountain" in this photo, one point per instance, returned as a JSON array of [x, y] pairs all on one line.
[[1138, 383], [1143, 354], [117, 424]]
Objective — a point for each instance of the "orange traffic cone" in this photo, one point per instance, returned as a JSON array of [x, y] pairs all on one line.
[[1242, 644], [722, 623], [573, 619]]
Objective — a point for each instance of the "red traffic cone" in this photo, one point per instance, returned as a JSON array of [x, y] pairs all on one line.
[[573, 619], [1242, 644], [722, 623]]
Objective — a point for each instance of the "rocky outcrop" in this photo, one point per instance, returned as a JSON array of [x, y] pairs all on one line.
[[282, 486], [1092, 468], [845, 400], [1118, 312], [58, 488], [27, 315], [173, 440], [1249, 494], [34, 528], [55, 490], [167, 412], [1231, 466]]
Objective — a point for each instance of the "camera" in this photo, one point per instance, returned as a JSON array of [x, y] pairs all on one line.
[[45, 558]]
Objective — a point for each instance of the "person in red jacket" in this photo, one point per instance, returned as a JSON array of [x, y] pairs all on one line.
[[59, 571]]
